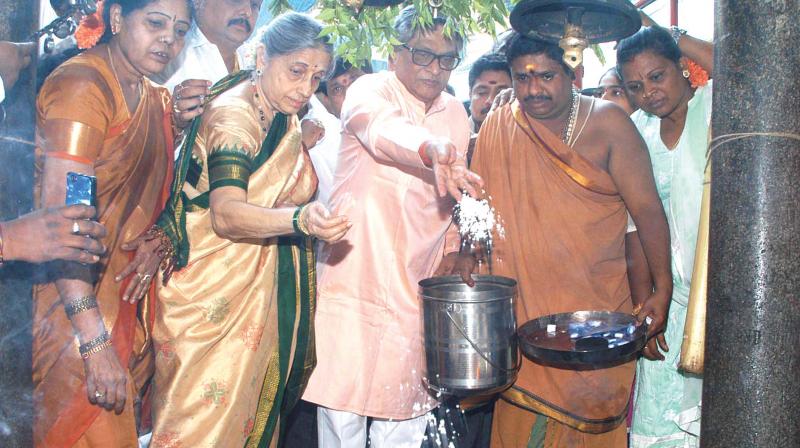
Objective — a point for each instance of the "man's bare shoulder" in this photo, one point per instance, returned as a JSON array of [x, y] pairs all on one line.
[[609, 123], [607, 128], [609, 113]]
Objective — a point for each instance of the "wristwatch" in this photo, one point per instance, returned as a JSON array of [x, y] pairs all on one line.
[[676, 33]]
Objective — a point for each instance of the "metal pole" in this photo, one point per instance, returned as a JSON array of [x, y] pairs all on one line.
[[751, 395], [673, 12]]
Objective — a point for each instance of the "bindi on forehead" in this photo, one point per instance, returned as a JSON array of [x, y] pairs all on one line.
[[174, 19]]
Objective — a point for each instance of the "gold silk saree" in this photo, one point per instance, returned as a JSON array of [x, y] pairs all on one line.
[[233, 330]]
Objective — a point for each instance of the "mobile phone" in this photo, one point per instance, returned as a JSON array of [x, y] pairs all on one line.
[[81, 189]]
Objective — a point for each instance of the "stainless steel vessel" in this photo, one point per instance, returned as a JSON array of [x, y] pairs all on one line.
[[470, 334]]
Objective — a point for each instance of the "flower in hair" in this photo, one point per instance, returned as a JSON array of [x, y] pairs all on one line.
[[91, 28], [698, 77]]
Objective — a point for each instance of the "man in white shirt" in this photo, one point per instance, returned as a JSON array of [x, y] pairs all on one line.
[[326, 107], [211, 51], [13, 58]]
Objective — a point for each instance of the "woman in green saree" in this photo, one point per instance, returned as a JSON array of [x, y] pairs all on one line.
[[233, 324]]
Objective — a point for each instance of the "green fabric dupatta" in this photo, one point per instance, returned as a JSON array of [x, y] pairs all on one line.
[[296, 288]]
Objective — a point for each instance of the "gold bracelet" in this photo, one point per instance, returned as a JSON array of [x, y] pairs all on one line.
[[97, 349], [95, 345], [80, 305], [300, 223]]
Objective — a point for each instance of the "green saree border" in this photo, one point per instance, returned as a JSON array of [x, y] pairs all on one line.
[[173, 219], [292, 288]]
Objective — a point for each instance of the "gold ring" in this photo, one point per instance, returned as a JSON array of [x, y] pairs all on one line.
[[98, 394]]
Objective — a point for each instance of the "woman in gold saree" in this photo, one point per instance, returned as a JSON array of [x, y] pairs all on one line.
[[98, 114], [233, 322]]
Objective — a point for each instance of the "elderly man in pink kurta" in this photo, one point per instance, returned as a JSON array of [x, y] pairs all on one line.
[[402, 152]]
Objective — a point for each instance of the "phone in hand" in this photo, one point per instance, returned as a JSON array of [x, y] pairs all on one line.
[[81, 189]]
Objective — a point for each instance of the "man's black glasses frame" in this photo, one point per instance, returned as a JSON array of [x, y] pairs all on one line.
[[425, 58]]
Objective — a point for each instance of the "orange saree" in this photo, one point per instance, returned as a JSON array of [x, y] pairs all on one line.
[[564, 243], [82, 115]]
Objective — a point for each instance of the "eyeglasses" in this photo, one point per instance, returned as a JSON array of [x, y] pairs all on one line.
[[425, 58]]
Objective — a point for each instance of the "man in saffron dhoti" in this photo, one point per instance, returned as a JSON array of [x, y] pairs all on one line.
[[561, 169]]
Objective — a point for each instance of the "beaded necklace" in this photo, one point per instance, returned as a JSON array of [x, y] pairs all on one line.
[[261, 115]]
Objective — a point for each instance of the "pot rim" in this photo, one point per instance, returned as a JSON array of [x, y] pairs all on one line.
[[450, 288]]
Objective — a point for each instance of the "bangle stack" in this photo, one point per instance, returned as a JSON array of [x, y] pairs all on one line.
[[297, 223], [96, 345], [80, 305]]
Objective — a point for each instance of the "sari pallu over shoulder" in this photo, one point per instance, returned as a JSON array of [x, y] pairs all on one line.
[[293, 357]]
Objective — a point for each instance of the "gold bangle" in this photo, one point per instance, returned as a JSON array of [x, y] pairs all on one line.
[[95, 345], [80, 305], [95, 350], [300, 223]]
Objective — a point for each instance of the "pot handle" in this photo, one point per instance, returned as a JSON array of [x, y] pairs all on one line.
[[474, 347]]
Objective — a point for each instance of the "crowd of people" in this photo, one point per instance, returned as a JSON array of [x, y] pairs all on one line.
[[261, 227]]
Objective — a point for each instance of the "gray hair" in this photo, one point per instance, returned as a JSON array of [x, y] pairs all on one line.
[[292, 32], [406, 26]]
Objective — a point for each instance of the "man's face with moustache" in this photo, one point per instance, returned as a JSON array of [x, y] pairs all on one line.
[[227, 23], [482, 93]]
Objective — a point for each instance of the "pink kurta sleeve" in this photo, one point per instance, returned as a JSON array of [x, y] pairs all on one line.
[[375, 117]]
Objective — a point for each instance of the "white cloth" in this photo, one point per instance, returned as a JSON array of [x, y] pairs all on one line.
[[2, 90], [341, 429], [199, 59], [325, 153], [631, 225]]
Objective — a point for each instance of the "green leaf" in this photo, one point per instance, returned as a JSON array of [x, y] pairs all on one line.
[[599, 53]]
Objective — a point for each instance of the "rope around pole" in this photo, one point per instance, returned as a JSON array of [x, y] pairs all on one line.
[[716, 142]]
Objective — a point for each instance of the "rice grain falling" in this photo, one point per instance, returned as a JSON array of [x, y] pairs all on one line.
[[477, 220]]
